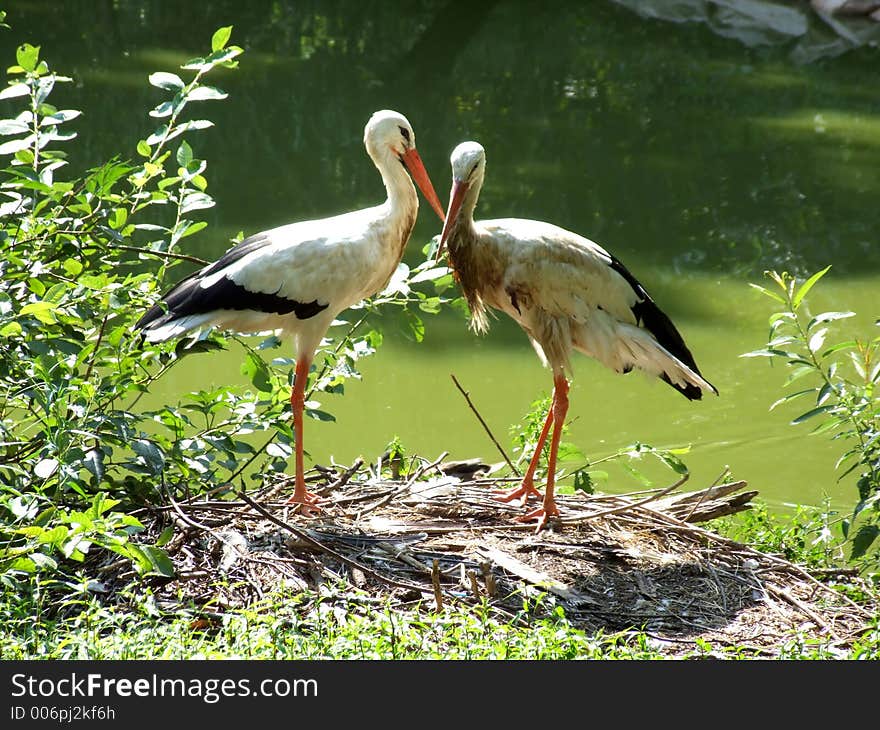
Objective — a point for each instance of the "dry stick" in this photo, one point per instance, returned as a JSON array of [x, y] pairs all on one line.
[[484, 425], [475, 587], [163, 254], [788, 598], [633, 505], [435, 581], [488, 578], [308, 539], [705, 492]]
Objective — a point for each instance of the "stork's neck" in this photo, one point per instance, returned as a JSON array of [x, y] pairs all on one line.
[[403, 201], [463, 229]]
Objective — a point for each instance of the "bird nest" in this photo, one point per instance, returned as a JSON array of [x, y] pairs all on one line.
[[615, 563]]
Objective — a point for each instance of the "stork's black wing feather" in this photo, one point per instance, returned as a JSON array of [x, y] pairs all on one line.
[[188, 297], [656, 321]]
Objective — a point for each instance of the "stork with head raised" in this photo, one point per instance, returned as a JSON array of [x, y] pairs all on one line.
[[297, 278]]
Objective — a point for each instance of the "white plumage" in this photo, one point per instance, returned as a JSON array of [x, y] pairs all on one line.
[[297, 278], [567, 293]]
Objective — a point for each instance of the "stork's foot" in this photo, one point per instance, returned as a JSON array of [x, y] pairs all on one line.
[[542, 514], [309, 501], [523, 492]]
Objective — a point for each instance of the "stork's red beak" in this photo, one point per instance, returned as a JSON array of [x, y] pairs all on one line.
[[456, 196], [414, 164]]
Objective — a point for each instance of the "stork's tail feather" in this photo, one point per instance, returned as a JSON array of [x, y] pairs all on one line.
[[684, 376], [159, 326]]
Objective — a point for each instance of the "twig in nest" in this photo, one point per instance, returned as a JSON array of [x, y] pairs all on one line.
[[475, 587], [632, 505], [346, 475], [687, 517], [806, 610], [404, 487], [488, 579], [484, 425], [781, 562], [308, 539], [435, 581]]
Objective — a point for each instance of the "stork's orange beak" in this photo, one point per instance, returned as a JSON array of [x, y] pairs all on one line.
[[414, 164], [456, 196]]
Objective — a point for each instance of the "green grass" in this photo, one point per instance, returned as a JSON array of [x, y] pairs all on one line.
[[346, 630]]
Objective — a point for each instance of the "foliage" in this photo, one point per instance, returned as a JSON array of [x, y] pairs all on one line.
[[525, 434], [841, 388], [77, 267], [802, 537]]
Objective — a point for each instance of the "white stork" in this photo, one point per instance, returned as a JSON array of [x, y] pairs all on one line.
[[567, 293], [297, 278]]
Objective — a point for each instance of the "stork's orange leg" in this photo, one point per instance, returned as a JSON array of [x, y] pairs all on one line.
[[526, 488], [297, 402], [559, 409]]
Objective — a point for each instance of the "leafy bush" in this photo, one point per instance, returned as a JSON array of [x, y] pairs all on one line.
[[78, 264], [841, 380]]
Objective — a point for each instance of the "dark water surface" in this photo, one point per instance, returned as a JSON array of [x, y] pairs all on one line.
[[698, 161]]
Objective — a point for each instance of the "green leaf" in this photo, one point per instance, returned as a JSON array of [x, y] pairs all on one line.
[[144, 149], [767, 292], [570, 452], [10, 329], [798, 373], [205, 93], [165, 537], [863, 540], [255, 368], [94, 462], [43, 311], [196, 201], [59, 117], [792, 396], [583, 482], [16, 145], [828, 317], [806, 286], [118, 218], [27, 56], [193, 228], [13, 90], [159, 560], [72, 267], [165, 80], [55, 536], [673, 462], [12, 126], [848, 345], [150, 453], [184, 154], [221, 37], [811, 413]]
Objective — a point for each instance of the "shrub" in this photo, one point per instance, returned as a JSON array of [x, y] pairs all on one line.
[[839, 382]]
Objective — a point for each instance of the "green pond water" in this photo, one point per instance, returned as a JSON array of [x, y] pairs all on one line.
[[698, 161]]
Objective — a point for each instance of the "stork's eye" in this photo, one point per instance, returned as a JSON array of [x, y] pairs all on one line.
[[405, 132]]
